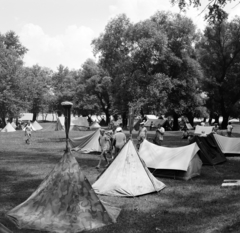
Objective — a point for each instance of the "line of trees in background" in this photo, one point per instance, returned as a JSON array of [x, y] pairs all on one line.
[[161, 65]]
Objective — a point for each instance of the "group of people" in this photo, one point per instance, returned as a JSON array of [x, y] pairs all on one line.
[[142, 134], [111, 143]]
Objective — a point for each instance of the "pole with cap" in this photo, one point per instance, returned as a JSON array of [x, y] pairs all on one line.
[[67, 106]]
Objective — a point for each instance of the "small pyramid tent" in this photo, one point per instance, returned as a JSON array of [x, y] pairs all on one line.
[[37, 126], [86, 144], [180, 162], [228, 146], [8, 128], [127, 176], [64, 202], [95, 125], [209, 153]]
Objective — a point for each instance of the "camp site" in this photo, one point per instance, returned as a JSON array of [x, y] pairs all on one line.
[[120, 116]]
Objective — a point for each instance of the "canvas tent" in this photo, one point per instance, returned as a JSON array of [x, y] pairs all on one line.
[[155, 123], [127, 176], [210, 152], [64, 202], [229, 146], [94, 126], [77, 124], [199, 129], [86, 144], [26, 117], [8, 128], [180, 162], [37, 126]]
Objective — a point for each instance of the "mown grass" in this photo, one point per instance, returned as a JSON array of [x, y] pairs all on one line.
[[199, 205]]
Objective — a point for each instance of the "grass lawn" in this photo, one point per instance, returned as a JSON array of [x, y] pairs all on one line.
[[199, 205]]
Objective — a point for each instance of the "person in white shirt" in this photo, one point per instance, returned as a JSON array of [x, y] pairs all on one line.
[[229, 129], [158, 139], [119, 139]]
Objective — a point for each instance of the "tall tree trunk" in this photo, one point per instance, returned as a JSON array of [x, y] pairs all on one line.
[[3, 121], [175, 122], [124, 120], [190, 118], [216, 117], [225, 121], [34, 117]]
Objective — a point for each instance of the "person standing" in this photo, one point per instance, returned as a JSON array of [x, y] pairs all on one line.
[[158, 139], [142, 134], [215, 128], [28, 132], [229, 129], [105, 144], [119, 139]]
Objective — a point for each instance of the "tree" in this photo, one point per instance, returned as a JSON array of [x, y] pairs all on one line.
[[11, 53], [215, 8], [35, 85], [219, 55]]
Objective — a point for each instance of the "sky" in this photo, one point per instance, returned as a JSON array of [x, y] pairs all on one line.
[[61, 31]]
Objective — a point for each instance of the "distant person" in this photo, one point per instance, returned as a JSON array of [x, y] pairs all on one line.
[[215, 128], [142, 134], [158, 139], [119, 140], [151, 125], [105, 144], [229, 129], [28, 132], [185, 134]]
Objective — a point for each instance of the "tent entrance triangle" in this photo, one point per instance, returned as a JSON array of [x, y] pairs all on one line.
[[127, 175]]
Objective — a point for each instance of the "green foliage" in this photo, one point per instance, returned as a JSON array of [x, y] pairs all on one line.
[[11, 101], [219, 54]]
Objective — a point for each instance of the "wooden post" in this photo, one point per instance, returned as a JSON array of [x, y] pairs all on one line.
[[67, 106]]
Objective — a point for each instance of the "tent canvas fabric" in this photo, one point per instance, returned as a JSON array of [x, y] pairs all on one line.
[[37, 126], [228, 145], [210, 153], [86, 144], [180, 162], [199, 129], [64, 202], [95, 125], [155, 124], [77, 124], [26, 117], [8, 128], [189, 126], [127, 176]]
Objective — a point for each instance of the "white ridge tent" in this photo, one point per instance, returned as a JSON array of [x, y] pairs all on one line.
[[228, 145], [127, 176], [86, 144], [180, 162], [8, 128], [37, 126], [13, 125], [199, 129]]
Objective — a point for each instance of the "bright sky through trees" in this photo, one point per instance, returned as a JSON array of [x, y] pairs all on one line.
[[60, 31]]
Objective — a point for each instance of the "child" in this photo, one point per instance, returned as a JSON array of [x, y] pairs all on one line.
[[105, 144], [28, 132], [229, 129]]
